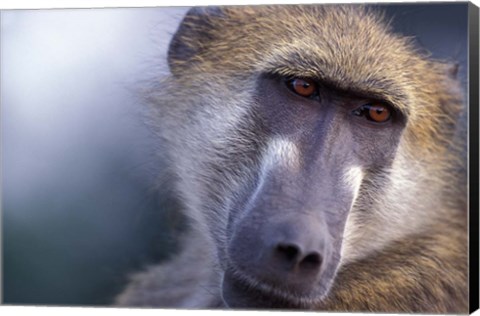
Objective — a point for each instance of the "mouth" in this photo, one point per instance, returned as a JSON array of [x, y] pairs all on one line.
[[240, 291]]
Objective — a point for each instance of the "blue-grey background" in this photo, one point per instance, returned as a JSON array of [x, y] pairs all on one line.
[[81, 203]]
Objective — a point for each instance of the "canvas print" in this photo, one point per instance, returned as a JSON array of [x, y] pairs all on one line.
[[293, 157]]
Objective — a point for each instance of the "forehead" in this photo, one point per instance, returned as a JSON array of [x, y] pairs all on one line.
[[351, 50], [349, 47]]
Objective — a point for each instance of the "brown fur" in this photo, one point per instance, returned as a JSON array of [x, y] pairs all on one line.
[[426, 273], [416, 267]]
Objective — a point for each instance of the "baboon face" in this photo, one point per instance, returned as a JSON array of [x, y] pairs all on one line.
[[285, 231], [286, 113]]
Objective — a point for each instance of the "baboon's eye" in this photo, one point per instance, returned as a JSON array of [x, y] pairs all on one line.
[[375, 112], [304, 87]]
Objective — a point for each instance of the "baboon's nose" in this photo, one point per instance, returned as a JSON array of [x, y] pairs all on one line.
[[295, 250], [285, 253], [290, 252], [296, 258]]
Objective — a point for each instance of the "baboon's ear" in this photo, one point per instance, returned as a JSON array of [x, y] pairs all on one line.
[[449, 68], [192, 36], [452, 70]]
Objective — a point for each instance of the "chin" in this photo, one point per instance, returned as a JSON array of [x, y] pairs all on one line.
[[240, 291]]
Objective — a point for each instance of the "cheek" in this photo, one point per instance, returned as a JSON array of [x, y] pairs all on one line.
[[376, 147], [352, 178]]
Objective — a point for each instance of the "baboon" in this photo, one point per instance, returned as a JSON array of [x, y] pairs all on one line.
[[314, 152]]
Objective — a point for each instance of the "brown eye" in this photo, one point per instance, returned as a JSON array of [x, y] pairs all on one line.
[[378, 113], [375, 112], [304, 87]]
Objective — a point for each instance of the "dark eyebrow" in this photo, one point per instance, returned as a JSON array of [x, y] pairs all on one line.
[[379, 88]]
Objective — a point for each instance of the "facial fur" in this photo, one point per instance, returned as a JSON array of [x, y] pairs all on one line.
[[294, 190]]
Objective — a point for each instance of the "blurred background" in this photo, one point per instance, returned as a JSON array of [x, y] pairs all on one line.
[[80, 199]]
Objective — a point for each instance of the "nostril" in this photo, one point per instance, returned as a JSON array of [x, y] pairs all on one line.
[[292, 255], [311, 261], [289, 252]]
